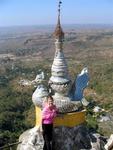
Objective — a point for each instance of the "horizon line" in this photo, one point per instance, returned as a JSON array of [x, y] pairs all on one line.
[[63, 24]]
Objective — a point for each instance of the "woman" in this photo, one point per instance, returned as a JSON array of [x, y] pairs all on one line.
[[48, 114]]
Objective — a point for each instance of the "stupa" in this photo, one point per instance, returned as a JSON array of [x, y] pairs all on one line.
[[69, 130], [67, 96]]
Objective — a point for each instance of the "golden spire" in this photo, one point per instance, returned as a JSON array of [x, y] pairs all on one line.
[[58, 33]]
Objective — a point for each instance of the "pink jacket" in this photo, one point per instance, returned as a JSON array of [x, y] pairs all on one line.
[[48, 114]]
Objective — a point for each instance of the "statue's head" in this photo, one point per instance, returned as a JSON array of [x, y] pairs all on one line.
[[39, 96]]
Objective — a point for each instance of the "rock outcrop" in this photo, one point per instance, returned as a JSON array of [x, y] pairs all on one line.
[[64, 138], [31, 140]]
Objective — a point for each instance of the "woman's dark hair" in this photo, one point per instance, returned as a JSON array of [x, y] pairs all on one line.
[[49, 96]]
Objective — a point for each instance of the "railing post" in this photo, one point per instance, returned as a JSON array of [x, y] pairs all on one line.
[[10, 148]]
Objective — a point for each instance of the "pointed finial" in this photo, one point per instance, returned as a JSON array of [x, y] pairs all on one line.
[[59, 7], [59, 34]]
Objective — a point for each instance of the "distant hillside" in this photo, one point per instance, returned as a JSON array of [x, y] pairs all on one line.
[[82, 41]]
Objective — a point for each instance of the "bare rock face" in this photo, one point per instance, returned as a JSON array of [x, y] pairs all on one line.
[[64, 138], [31, 140], [76, 138]]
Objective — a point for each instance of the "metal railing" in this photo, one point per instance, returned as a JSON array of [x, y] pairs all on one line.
[[9, 146]]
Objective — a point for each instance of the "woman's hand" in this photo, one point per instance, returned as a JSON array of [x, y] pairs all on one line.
[[60, 115]]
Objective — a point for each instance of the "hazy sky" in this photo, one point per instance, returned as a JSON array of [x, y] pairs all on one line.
[[38, 12]]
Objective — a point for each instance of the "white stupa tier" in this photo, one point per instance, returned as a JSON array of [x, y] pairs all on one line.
[[59, 68], [59, 80]]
